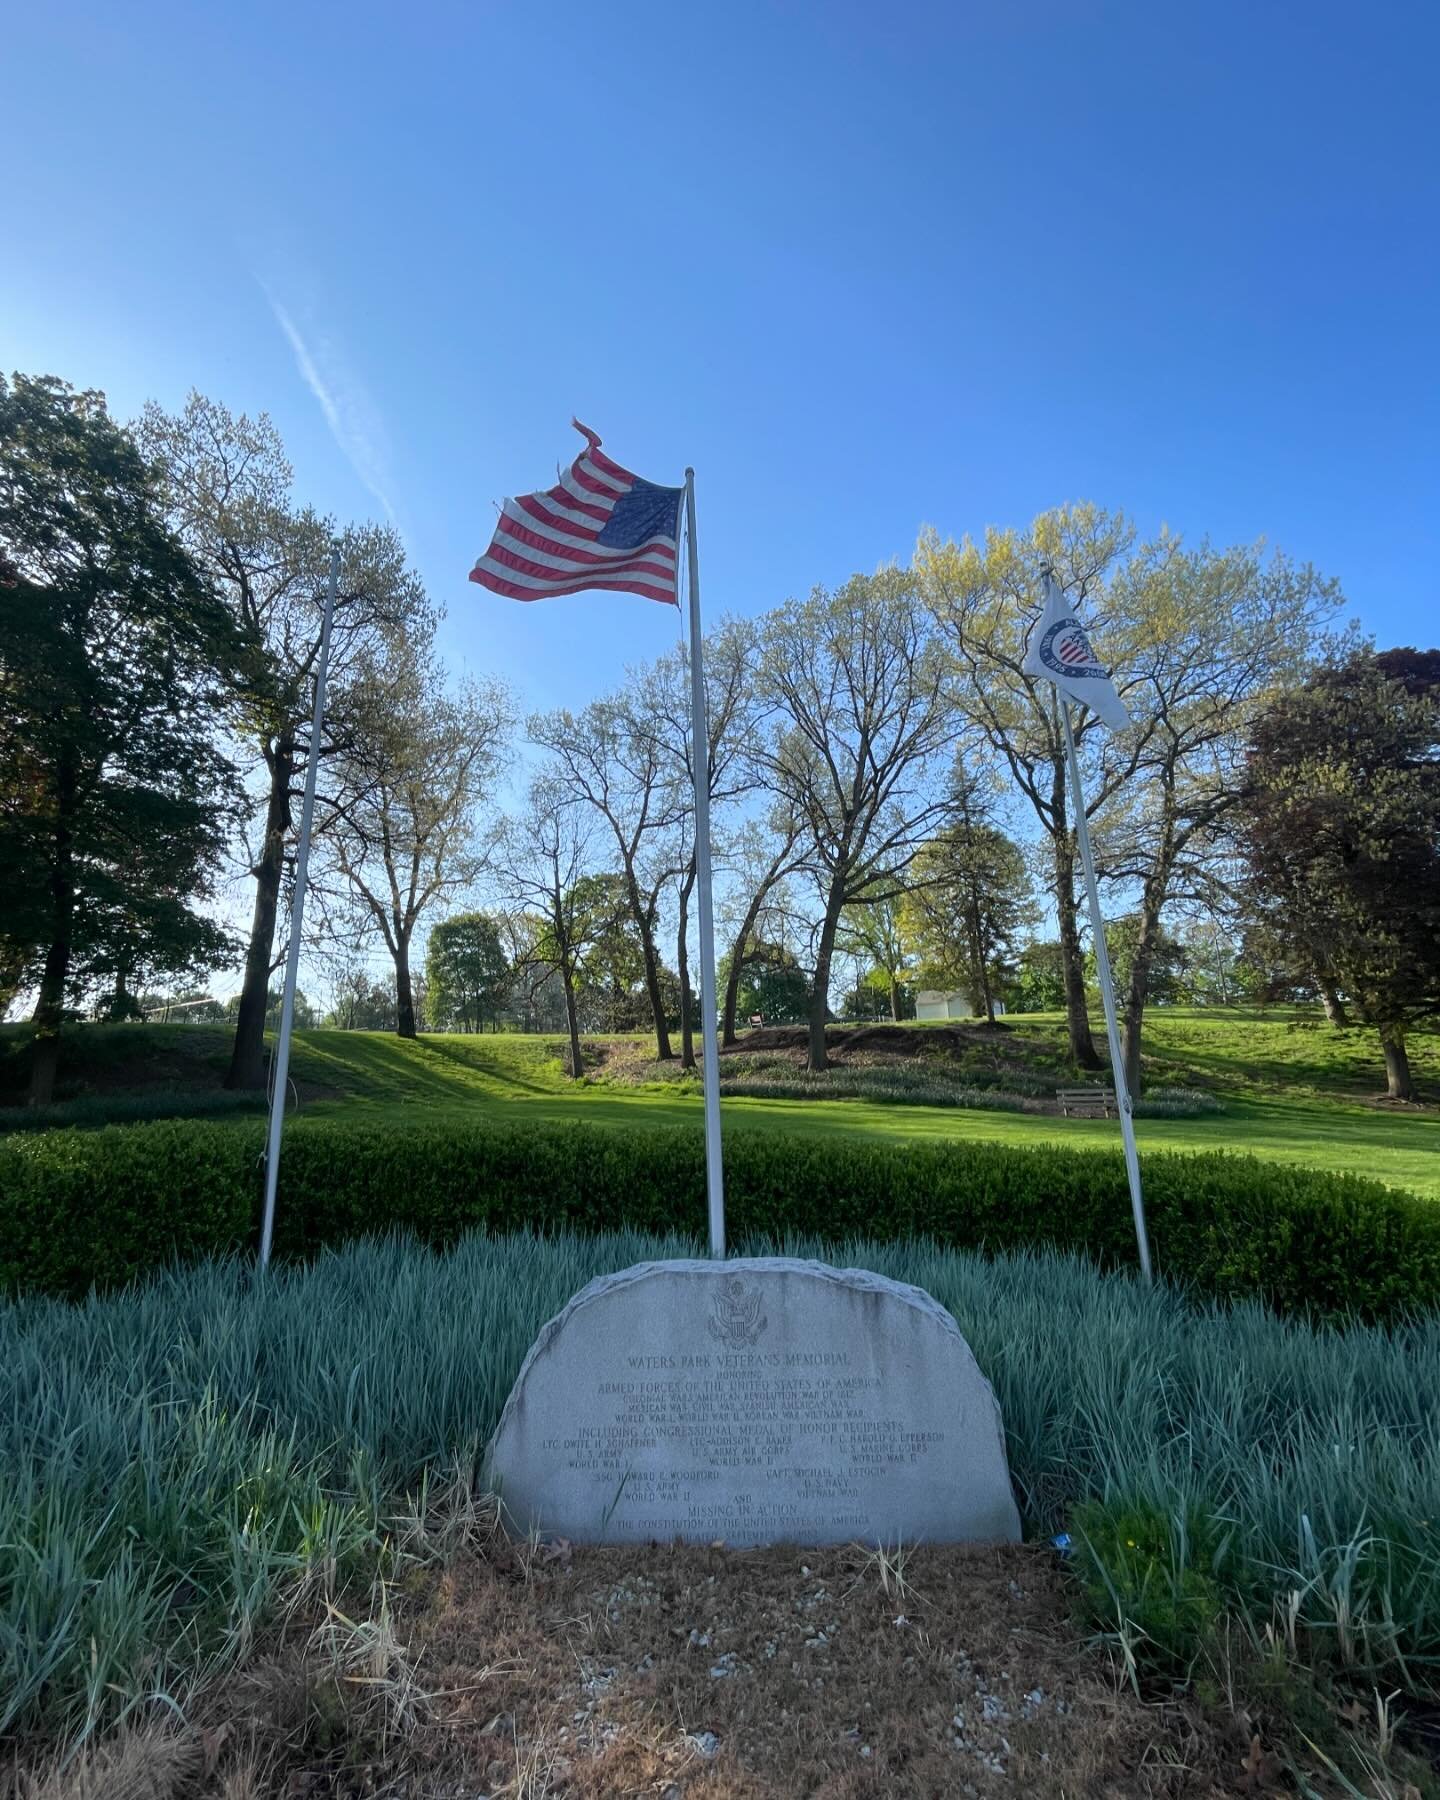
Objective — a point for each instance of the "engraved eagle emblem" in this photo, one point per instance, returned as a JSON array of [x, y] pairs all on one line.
[[735, 1314]]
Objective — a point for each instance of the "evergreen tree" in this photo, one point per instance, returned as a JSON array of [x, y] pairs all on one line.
[[969, 900]]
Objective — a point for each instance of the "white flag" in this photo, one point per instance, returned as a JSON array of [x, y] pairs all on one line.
[[1059, 651]]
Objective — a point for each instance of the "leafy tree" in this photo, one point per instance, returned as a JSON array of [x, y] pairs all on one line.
[[228, 489], [361, 1002], [1166, 958], [112, 647], [657, 701], [870, 997], [1274, 969], [763, 854], [857, 690], [984, 598], [191, 1006], [871, 933], [1212, 967], [540, 863], [403, 794], [1223, 631], [468, 972], [306, 1017], [621, 769], [773, 985], [534, 998], [969, 899], [1341, 831], [614, 995], [1039, 982]]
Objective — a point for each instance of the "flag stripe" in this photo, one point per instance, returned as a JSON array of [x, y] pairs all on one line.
[[575, 496], [608, 482], [567, 551], [548, 569], [594, 483], [567, 514], [603, 462], [600, 526], [548, 519], [502, 584], [502, 554]]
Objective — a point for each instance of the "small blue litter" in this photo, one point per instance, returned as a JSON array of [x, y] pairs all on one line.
[[1061, 1543]]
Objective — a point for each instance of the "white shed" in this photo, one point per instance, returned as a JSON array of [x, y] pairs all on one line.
[[949, 1003]]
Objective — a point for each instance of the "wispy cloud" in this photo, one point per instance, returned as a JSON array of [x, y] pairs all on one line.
[[350, 412]]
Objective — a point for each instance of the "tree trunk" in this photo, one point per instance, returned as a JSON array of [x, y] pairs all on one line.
[[122, 1002], [895, 1000], [645, 920], [50, 1003], [820, 992], [49, 1007], [682, 960], [732, 992], [572, 1023], [1077, 1020], [247, 1055], [404, 991], [1133, 1013], [737, 966], [1399, 1084], [982, 967], [1334, 1006]]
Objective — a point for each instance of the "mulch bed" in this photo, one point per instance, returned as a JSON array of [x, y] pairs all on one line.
[[759, 1675], [531, 1671], [522, 1672]]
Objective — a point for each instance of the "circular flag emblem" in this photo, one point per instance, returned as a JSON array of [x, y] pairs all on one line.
[[1065, 648]]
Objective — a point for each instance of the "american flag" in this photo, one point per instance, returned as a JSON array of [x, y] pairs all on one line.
[[599, 527]]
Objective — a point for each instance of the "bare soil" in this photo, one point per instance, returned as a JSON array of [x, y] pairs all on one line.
[[522, 1672]]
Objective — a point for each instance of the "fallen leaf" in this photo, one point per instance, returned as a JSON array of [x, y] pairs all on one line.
[[1260, 1769]]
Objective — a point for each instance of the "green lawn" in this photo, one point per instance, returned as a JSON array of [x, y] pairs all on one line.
[[1292, 1089]]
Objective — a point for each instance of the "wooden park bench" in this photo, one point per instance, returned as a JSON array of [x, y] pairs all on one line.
[[1086, 1102]]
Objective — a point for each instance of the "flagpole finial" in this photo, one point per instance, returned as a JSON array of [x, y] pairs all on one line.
[[689, 474]]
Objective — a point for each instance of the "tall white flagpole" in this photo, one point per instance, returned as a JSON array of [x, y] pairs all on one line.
[[297, 916], [1107, 994], [709, 1021]]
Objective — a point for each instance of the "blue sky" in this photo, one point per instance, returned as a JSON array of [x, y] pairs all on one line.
[[865, 267]]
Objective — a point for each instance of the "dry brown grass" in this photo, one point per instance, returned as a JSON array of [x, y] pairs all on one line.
[[522, 1671]]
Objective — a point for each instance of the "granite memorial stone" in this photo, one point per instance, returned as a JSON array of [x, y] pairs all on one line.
[[759, 1401]]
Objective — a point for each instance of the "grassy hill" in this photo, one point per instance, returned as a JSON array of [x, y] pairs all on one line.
[[1291, 1087]]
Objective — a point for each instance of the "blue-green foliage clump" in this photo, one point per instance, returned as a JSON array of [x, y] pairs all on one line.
[[176, 1456], [82, 1209]]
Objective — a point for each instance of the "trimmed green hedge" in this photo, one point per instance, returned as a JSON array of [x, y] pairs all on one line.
[[97, 1208]]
